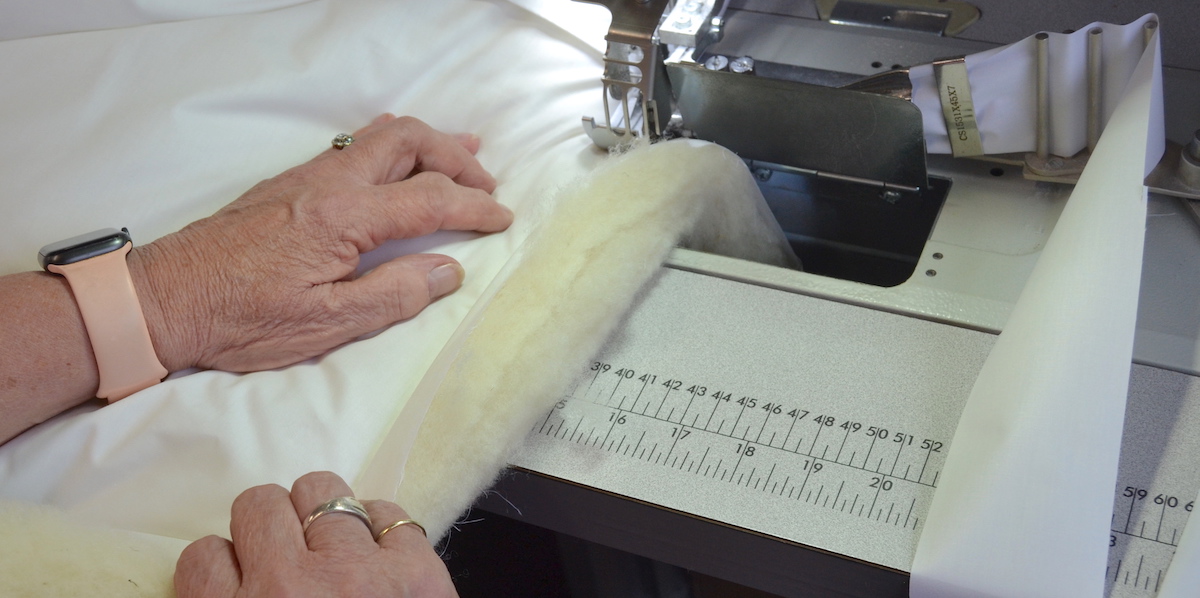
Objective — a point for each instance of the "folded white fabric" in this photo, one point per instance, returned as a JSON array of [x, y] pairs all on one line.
[[32, 18], [1045, 415], [1003, 86], [154, 126]]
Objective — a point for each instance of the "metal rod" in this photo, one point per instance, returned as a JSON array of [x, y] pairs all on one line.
[[1095, 90], [1043, 94], [607, 111], [625, 108]]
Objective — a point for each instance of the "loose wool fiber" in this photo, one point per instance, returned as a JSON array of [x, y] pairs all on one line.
[[579, 274], [43, 553]]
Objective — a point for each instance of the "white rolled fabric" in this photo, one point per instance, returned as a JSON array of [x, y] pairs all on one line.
[[1024, 503]]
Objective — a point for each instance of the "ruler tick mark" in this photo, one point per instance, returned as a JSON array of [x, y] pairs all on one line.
[[843, 447], [769, 474], [897, 460]]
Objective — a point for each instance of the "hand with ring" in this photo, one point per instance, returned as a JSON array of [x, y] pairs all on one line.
[[270, 280], [316, 540]]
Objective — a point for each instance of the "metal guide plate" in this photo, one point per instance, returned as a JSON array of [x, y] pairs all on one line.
[[825, 424]]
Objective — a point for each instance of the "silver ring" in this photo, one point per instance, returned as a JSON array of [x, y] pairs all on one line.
[[398, 524], [341, 504], [341, 140]]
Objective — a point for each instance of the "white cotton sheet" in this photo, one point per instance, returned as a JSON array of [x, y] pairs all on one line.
[[1004, 89], [1024, 504], [33, 18], [154, 126]]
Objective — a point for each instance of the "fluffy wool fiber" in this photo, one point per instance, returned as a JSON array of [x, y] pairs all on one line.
[[42, 553], [578, 275]]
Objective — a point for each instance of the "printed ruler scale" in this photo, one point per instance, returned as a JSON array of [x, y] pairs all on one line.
[[810, 421], [764, 446]]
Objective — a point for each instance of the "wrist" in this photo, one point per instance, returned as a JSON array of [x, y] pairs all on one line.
[[164, 305]]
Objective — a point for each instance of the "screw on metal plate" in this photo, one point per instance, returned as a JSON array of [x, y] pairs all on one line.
[[744, 64], [716, 62], [762, 174]]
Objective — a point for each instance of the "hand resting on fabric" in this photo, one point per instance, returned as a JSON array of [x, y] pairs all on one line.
[[272, 555], [269, 280]]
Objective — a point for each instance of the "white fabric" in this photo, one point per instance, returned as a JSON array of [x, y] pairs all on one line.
[[1024, 503], [1004, 88], [152, 127], [32, 18], [578, 276], [1183, 576], [156, 125]]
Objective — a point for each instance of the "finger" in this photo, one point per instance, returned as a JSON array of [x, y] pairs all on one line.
[[383, 514], [208, 567], [375, 124], [332, 531], [395, 291], [264, 526], [411, 551], [431, 202], [470, 141], [400, 147], [378, 120]]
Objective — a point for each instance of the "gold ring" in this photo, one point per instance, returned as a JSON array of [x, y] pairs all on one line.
[[398, 524]]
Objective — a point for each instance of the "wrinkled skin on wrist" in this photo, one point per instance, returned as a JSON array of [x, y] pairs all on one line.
[[269, 280]]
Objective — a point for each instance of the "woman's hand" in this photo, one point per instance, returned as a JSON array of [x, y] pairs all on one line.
[[271, 554], [269, 280]]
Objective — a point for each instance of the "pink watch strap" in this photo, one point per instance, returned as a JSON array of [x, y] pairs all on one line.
[[115, 324]]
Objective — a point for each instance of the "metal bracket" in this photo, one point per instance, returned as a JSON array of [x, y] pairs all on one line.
[[632, 67], [867, 138], [940, 17]]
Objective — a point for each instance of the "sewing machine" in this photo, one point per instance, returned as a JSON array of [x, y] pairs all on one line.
[[925, 253]]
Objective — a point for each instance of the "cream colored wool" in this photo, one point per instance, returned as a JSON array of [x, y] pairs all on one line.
[[579, 274], [43, 553]]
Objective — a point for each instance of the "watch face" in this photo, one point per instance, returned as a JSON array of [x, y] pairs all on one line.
[[80, 248]]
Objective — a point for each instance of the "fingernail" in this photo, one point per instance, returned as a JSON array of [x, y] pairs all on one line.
[[466, 137], [445, 279]]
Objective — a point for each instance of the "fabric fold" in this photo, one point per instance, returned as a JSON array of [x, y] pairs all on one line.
[[1025, 498]]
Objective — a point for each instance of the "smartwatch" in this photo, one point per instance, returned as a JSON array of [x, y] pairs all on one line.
[[94, 265]]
